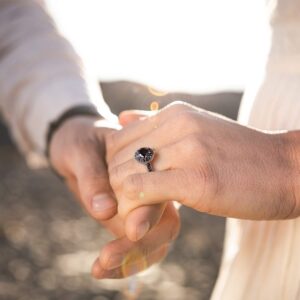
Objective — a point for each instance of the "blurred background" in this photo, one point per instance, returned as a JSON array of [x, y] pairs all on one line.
[[199, 51], [173, 45]]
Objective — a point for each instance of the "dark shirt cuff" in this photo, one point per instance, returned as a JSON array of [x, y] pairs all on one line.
[[82, 110]]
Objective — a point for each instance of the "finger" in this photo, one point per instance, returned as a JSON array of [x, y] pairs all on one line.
[[128, 116], [119, 139], [161, 186], [115, 225], [133, 265], [153, 140], [165, 158], [141, 220], [163, 144], [134, 226], [114, 253], [94, 187]]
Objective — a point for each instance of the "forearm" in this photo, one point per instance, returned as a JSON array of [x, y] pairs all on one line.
[[40, 74], [290, 149]]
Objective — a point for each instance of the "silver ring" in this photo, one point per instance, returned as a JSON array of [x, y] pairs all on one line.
[[144, 156]]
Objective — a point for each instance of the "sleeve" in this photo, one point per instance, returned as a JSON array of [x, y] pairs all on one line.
[[40, 74]]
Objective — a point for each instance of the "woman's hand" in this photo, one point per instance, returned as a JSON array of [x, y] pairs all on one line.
[[77, 153], [206, 162]]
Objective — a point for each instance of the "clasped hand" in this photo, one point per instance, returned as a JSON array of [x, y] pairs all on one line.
[[202, 160]]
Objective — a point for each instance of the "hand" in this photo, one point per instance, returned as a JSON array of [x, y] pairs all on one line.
[[123, 257], [204, 161], [77, 152]]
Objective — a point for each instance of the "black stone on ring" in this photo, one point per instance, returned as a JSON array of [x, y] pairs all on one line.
[[145, 156]]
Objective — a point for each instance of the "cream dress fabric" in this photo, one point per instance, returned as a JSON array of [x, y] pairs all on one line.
[[261, 260]]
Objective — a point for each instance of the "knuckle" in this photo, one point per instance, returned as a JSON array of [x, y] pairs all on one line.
[[175, 108], [89, 185], [132, 186], [188, 120], [106, 255], [178, 106], [123, 209], [113, 162], [92, 175], [115, 176], [110, 144], [193, 144], [185, 117]]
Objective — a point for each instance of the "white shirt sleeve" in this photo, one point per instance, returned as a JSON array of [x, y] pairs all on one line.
[[40, 74]]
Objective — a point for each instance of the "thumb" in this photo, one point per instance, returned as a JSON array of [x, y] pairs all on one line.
[[77, 152], [128, 116], [94, 188]]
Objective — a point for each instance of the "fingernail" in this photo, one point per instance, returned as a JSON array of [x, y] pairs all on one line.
[[103, 202], [142, 229]]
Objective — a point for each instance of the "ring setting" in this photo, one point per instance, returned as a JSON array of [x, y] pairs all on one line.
[[144, 156]]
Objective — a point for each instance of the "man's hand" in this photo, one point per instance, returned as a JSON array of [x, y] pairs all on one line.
[[77, 152], [207, 162]]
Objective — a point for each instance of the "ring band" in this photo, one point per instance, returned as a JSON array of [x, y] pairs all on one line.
[[144, 156]]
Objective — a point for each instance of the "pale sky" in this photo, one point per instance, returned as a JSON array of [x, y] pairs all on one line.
[[184, 45]]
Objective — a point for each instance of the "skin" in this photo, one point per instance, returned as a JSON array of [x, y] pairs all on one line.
[[77, 153], [207, 162]]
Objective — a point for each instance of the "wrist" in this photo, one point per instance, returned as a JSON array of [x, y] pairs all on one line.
[[289, 152], [77, 111]]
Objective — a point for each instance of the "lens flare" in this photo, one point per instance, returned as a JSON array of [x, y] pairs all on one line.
[[133, 263], [156, 93], [154, 106], [133, 290]]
